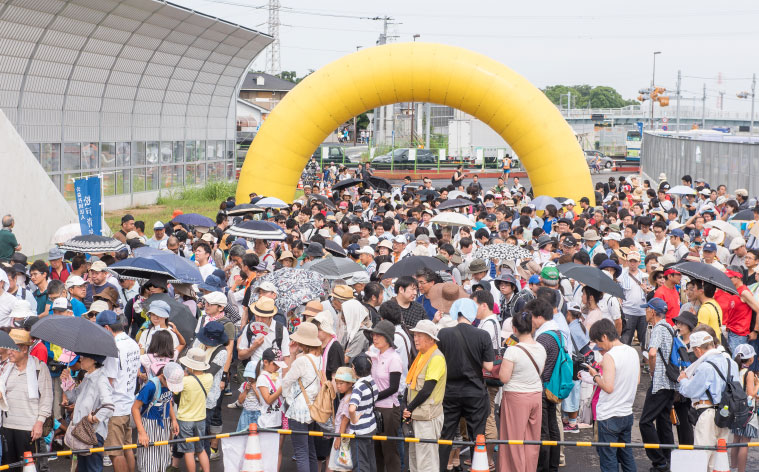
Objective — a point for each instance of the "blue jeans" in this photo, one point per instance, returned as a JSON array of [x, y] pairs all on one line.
[[615, 429], [733, 340], [303, 447], [91, 462], [755, 366]]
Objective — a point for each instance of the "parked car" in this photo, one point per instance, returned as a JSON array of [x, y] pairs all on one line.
[[400, 160], [335, 154], [606, 162]]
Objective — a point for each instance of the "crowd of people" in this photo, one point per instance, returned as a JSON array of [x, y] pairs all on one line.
[[437, 329]]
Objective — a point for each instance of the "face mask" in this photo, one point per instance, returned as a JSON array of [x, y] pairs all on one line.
[[21, 281]]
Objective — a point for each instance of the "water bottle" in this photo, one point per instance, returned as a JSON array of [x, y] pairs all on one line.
[[724, 412]]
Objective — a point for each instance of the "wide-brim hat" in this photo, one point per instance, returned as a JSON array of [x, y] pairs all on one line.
[[306, 334], [264, 307], [384, 328], [342, 292], [195, 359], [427, 327], [687, 318], [443, 295], [715, 236], [324, 318], [477, 266], [590, 235], [21, 337], [213, 334]]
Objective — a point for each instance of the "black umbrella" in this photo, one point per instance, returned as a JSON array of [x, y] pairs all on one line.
[[744, 215], [379, 183], [455, 203], [75, 334], [256, 229], [343, 184], [92, 244], [411, 264], [244, 208], [6, 342], [427, 193], [329, 203], [335, 249], [706, 273], [592, 277], [179, 314]]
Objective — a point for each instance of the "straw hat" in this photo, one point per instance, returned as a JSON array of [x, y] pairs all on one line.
[[313, 308], [195, 359], [443, 295], [342, 292], [21, 337], [307, 334], [345, 374], [264, 307]]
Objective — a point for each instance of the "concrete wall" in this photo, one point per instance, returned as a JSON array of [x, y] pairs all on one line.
[[734, 164], [28, 194]]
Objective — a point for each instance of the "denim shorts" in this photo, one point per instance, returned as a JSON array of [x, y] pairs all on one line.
[[189, 429], [246, 418], [572, 402]]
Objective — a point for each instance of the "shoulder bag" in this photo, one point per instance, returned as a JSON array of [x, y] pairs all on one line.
[[321, 408], [82, 435], [377, 414]]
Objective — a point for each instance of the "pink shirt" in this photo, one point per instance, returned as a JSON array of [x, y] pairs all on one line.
[[386, 362]]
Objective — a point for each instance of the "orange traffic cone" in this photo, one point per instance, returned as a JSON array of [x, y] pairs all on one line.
[[29, 462], [252, 462], [300, 185], [721, 461], [480, 458]]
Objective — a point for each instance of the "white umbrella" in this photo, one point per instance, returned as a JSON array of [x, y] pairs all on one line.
[[449, 218], [681, 190], [457, 194], [730, 230], [271, 202], [66, 232], [543, 201]]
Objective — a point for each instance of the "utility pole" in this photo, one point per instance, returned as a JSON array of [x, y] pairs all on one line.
[[677, 110], [653, 87], [753, 99], [428, 119], [272, 61], [703, 109], [413, 110], [569, 104]]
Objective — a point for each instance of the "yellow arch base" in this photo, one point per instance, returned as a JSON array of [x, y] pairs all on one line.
[[419, 72]]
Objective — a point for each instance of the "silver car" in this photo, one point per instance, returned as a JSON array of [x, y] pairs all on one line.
[[606, 162]]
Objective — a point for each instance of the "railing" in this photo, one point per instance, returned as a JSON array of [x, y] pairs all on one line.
[[669, 112]]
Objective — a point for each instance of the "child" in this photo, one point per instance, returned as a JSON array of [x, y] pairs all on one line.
[[248, 398], [344, 381], [191, 413], [361, 413], [269, 386], [580, 342], [744, 356], [158, 314], [152, 410]]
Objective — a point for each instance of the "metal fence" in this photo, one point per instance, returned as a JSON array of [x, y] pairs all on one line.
[[735, 165]]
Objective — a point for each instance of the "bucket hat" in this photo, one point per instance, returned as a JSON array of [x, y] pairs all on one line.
[[307, 334], [195, 359]]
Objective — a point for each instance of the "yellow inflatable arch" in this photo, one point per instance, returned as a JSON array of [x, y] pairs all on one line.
[[419, 72]]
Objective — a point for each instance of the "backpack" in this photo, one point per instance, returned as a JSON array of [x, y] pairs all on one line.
[[156, 395], [322, 408], [279, 334], [733, 410], [560, 385]]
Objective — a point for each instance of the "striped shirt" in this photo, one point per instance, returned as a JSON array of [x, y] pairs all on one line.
[[363, 396]]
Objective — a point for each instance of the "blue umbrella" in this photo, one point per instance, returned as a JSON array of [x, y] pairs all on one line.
[[194, 219], [177, 269], [256, 229]]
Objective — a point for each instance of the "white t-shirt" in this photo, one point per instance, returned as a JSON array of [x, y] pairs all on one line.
[[124, 370], [242, 342], [610, 307], [524, 377], [619, 402], [206, 270], [271, 415], [490, 326], [147, 336], [251, 403], [6, 306]]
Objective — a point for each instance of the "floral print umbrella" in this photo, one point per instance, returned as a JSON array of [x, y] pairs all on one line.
[[503, 252], [294, 287]]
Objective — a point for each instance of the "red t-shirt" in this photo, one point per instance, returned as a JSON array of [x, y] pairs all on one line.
[[39, 351], [672, 298], [738, 316], [723, 298]]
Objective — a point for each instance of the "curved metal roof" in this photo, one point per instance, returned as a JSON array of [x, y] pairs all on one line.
[[105, 70]]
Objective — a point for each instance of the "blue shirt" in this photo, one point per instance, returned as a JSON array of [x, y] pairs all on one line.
[[427, 304], [160, 411], [78, 307], [706, 377]]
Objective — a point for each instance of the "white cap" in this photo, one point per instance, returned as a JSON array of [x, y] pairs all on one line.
[[400, 239], [215, 298], [613, 237], [267, 287], [384, 267], [158, 225], [352, 229], [699, 338], [366, 250], [61, 304], [736, 243], [569, 201], [74, 281]]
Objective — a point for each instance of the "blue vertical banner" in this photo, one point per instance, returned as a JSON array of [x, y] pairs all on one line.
[[639, 124], [88, 204]]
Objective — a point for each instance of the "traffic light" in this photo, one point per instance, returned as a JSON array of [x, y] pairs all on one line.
[[659, 90], [664, 101], [642, 98]]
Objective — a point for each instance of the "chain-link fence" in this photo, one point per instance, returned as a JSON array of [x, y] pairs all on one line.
[[735, 165]]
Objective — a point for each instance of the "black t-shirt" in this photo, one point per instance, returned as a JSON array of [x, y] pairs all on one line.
[[335, 359], [465, 379]]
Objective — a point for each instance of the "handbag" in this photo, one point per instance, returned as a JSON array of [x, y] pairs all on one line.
[[322, 408], [378, 419], [340, 459], [82, 435]]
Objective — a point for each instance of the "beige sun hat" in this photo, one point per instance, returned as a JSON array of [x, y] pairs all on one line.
[[307, 334]]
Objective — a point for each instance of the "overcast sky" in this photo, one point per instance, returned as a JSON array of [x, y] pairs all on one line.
[[549, 42]]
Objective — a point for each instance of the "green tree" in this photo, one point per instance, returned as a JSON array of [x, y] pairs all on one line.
[[586, 95], [288, 75]]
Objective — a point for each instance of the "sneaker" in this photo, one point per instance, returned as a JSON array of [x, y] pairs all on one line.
[[571, 428], [562, 462], [234, 404], [215, 455], [107, 462]]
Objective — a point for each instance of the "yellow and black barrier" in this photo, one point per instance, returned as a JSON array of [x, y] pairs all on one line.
[[442, 442]]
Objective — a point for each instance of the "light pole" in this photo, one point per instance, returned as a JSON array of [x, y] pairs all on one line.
[[413, 106], [653, 86], [751, 94], [370, 115]]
